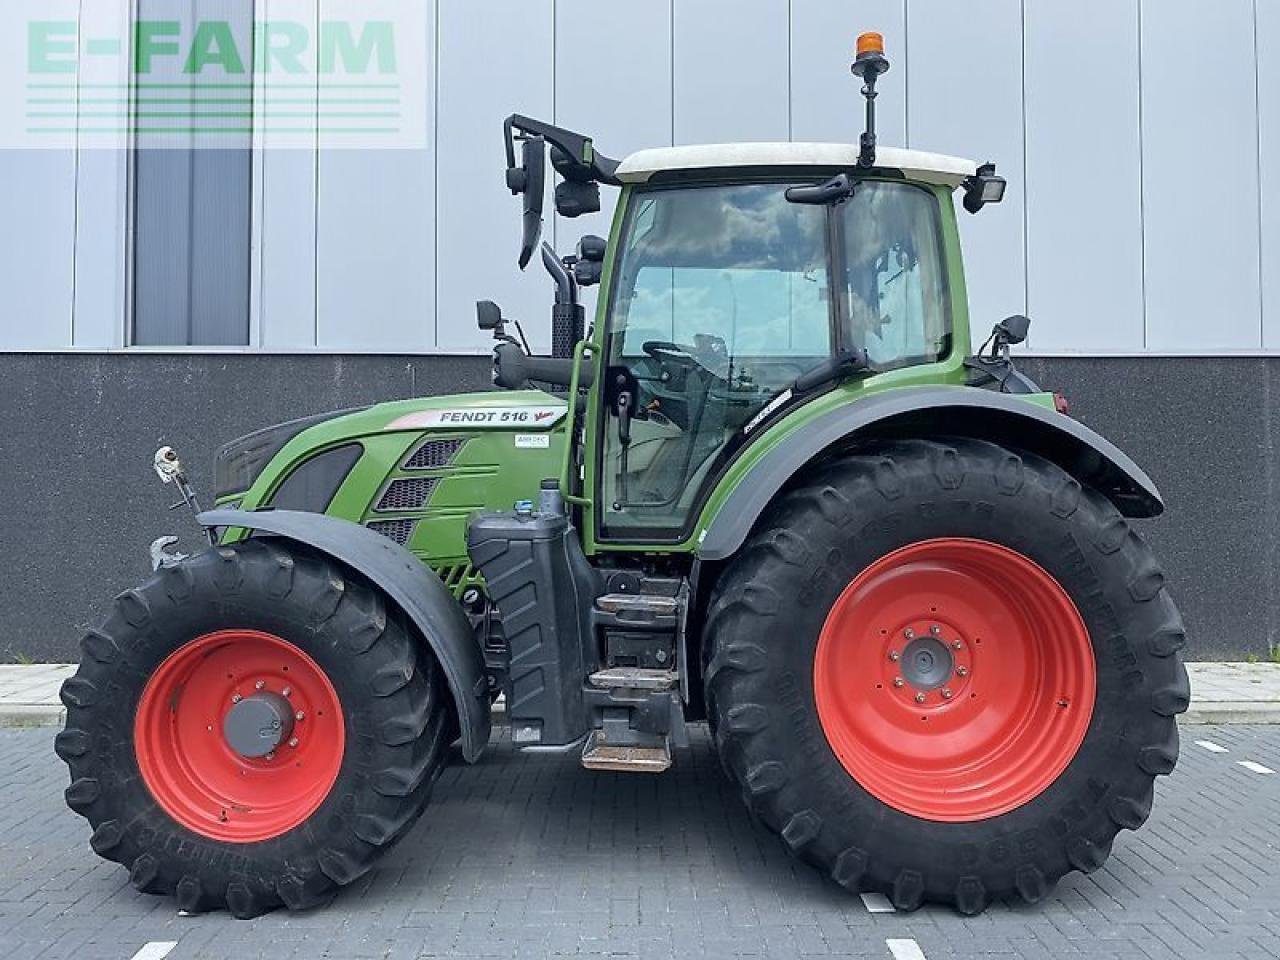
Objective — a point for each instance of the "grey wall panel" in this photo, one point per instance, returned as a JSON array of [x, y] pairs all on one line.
[[101, 276], [375, 236], [614, 86], [731, 70], [1200, 176], [966, 99], [375, 263], [286, 258], [1084, 213], [102, 192], [37, 247], [495, 59], [825, 102], [1268, 46]]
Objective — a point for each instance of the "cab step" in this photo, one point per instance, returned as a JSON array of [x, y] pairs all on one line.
[[599, 754], [638, 605], [634, 678]]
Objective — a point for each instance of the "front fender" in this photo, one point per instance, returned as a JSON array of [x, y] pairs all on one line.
[[934, 411], [410, 584]]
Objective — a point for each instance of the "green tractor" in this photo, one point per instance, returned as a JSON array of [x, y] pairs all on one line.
[[768, 487]]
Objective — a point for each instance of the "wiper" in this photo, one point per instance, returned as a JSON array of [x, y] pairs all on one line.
[[842, 365], [838, 367]]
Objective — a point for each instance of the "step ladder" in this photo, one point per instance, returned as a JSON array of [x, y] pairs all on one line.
[[616, 746]]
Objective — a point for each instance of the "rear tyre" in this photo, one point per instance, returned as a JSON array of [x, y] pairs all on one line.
[[250, 728], [945, 672]]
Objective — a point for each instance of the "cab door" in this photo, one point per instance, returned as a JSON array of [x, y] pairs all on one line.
[[721, 297]]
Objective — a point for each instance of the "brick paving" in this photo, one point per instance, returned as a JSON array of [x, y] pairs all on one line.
[[532, 856]]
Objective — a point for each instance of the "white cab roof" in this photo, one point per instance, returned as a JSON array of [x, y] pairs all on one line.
[[914, 164]]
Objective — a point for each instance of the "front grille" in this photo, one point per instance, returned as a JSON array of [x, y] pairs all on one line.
[[407, 493], [433, 454], [398, 530]]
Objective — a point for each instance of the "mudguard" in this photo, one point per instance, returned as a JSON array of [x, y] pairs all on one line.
[[939, 411], [410, 584]]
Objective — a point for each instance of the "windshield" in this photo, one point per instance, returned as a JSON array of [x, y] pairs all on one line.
[[723, 295], [736, 271]]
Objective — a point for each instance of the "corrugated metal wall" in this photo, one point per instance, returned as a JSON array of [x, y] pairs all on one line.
[[1141, 138]]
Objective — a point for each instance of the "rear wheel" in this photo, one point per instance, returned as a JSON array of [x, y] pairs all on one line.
[[251, 727], [945, 672]]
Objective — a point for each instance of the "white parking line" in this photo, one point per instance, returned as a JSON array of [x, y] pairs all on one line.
[[877, 903], [1255, 767], [1212, 747], [155, 950], [905, 950]]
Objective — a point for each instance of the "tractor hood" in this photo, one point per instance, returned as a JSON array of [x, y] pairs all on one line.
[[239, 464]]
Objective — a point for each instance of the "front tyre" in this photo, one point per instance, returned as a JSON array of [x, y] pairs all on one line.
[[945, 672], [250, 728]]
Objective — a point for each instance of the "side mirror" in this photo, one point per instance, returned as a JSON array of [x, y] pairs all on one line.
[[529, 179], [1012, 330], [488, 315], [982, 188]]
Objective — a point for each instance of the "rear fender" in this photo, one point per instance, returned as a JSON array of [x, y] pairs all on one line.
[[408, 582], [1010, 421]]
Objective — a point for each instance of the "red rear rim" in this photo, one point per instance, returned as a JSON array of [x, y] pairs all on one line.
[[191, 726], [954, 679]]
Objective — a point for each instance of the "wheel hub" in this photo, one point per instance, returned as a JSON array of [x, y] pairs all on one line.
[[927, 663], [256, 725]]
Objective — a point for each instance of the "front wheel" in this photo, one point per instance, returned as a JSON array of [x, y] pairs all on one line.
[[945, 672], [251, 727]]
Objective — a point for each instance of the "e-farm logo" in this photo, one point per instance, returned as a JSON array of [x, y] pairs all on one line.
[[291, 73]]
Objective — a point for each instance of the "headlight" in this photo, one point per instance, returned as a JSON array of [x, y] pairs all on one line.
[[237, 465]]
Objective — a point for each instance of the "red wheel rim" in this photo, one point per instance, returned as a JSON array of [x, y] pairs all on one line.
[[189, 764], [954, 679]]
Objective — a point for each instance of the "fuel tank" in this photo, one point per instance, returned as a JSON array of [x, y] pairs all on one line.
[[413, 470]]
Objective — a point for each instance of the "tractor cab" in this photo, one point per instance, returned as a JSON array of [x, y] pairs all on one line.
[[741, 281]]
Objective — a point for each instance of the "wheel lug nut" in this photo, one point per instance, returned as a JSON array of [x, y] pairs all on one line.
[[956, 644], [286, 691], [919, 698], [898, 681], [260, 684], [293, 741], [935, 629], [909, 633], [270, 756], [235, 698], [893, 654], [299, 715], [962, 671], [946, 693]]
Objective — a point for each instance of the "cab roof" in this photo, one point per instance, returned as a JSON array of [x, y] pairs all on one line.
[[914, 164]]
